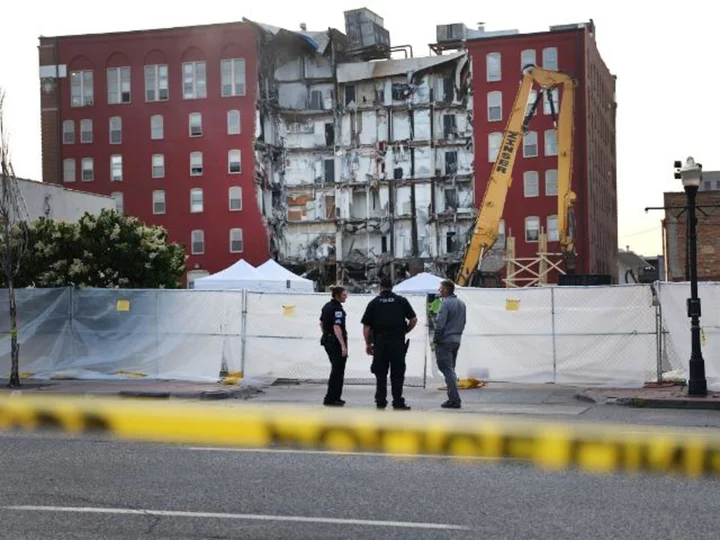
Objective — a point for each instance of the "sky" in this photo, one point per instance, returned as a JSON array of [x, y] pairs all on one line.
[[660, 57]]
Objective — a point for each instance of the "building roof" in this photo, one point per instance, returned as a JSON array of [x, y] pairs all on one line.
[[361, 71], [316, 40], [64, 188], [632, 259]]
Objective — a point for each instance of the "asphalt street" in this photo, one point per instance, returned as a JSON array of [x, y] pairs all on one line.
[[52, 487]]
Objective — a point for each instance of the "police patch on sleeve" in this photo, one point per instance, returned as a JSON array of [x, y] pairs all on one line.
[[338, 317]]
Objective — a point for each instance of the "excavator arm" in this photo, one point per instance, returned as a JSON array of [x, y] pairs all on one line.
[[487, 225]]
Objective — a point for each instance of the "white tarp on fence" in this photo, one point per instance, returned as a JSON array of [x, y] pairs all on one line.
[[673, 298], [597, 336]]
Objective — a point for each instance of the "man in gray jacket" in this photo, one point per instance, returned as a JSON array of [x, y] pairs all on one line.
[[447, 336]]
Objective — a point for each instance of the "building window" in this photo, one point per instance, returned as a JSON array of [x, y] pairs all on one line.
[[118, 80], [197, 242], [86, 131], [68, 132], [156, 83], [118, 198], [530, 144], [158, 166], [235, 198], [501, 235], [196, 164], [196, 124], [157, 127], [116, 168], [158, 199], [196, 200], [233, 122], [115, 130], [553, 235], [194, 80], [551, 182], [451, 163], [494, 142], [81, 88], [494, 103], [68, 170], [550, 58], [494, 71], [349, 95], [532, 229], [329, 172], [88, 169], [551, 142], [236, 240], [449, 126], [555, 101], [527, 57], [233, 77], [234, 161], [531, 183]]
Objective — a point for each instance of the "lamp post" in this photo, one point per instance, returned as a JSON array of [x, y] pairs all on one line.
[[691, 173]]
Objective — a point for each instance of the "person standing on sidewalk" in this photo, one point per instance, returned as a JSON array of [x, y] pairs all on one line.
[[449, 327], [387, 319], [334, 340]]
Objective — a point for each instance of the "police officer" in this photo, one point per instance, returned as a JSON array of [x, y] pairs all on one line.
[[334, 340], [387, 319]]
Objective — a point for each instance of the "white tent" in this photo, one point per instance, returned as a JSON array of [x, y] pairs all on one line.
[[274, 271], [421, 283], [241, 275]]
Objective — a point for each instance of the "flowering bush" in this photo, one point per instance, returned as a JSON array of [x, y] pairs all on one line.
[[108, 250]]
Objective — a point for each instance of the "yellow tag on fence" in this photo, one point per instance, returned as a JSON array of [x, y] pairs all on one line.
[[288, 311], [512, 305], [123, 305], [703, 339]]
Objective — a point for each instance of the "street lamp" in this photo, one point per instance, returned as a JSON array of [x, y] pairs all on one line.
[[691, 173]]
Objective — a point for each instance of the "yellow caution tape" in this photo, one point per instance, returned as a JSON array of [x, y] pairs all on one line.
[[594, 448]]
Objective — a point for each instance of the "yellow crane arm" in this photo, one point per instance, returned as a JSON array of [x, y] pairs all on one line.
[[566, 196]]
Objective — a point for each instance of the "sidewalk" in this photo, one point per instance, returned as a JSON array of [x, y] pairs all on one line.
[[670, 397]]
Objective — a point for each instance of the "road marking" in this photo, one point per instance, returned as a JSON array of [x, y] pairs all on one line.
[[339, 453], [257, 517]]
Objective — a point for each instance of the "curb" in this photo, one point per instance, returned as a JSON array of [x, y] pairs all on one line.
[[652, 403]]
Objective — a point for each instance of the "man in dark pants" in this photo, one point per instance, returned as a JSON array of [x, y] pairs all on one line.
[[388, 317], [449, 327], [334, 339]]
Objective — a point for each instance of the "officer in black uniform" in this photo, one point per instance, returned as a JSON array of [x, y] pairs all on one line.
[[387, 319], [334, 339]]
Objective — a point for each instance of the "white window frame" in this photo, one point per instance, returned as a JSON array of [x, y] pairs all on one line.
[[531, 184], [556, 101], [197, 207], [553, 234], [84, 123], [231, 191], [233, 87], [551, 179], [157, 83], [492, 59], [119, 201], [200, 234], [494, 106], [116, 163], [86, 88], [118, 121], [158, 198], [551, 142], [530, 136], [69, 170], [157, 165], [241, 240], [531, 99], [121, 94], [196, 157], [196, 78], [230, 115], [528, 221], [495, 136], [528, 56], [195, 127], [157, 123], [550, 58], [231, 161], [69, 134], [87, 165], [501, 235]]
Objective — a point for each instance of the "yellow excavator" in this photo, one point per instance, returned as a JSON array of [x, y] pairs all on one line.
[[487, 224]]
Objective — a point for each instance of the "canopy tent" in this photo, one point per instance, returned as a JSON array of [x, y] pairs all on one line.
[[421, 283], [241, 275], [274, 271]]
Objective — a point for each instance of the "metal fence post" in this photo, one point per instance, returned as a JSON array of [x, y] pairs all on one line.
[[244, 331], [71, 290], [554, 343], [659, 337]]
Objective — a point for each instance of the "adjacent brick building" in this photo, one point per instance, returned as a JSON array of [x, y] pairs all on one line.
[[498, 59], [163, 121]]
